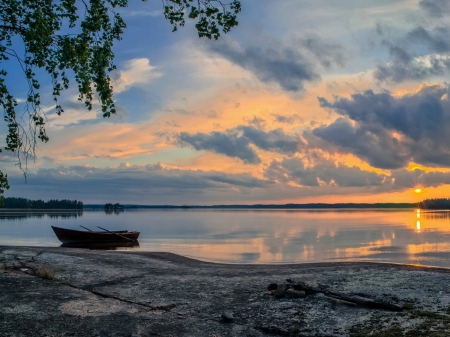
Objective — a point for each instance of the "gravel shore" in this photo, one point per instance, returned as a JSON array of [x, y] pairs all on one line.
[[76, 292]]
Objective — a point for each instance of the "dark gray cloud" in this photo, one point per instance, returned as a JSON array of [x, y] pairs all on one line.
[[324, 173], [411, 179], [230, 144], [237, 142], [154, 183], [256, 121], [158, 184], [287, 119], [407, 67], [290, 66], [420, 54], [437, 40], [274, 140], [389, 131], [324, 52], [435, 8], [370, 143], [271, 63]]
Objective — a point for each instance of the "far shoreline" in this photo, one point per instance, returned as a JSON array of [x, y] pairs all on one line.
[[271, 206]]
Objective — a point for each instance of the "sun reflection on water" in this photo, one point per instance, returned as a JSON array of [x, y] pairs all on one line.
[[403, 236]]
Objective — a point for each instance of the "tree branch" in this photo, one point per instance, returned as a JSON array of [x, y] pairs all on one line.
[[19, 29]]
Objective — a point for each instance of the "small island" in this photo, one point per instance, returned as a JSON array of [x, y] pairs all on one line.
[[112, 207]]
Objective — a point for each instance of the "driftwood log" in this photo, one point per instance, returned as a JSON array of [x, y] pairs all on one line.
[[359, 300]]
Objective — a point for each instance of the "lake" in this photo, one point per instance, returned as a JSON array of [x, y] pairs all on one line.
[[258, 236]]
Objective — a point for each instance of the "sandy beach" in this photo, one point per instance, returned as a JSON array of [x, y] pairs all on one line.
[[113, 293]]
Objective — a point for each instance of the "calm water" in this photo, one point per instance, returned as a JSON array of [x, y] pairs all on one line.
[[243, 236]]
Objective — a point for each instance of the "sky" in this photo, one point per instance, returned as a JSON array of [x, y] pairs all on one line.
[[304, 101]]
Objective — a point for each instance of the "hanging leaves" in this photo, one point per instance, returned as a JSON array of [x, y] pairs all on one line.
[[56, 38]]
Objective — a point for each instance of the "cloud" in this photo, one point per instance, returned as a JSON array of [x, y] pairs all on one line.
[[237, 142], [137, 71], [107, 140], [231, 145], [390, 131], [289, 66], [287, 119], [49, 159], [370, 143], [271, 63], [324, 173], [404, 66], [75, 112], [404, 62], [435, 8], [411, 179], [437, 40], [326, 53], [157, 184], [256, 121]]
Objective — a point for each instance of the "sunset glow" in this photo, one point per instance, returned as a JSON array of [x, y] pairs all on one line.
[[297, 104]]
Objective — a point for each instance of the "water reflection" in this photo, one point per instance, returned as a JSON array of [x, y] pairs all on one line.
[[23, 215], [64, 215], [437, 215], [248, 236], [115, 211], [17, 216]]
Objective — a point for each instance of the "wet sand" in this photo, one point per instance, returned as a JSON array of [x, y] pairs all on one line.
[[112, 293]]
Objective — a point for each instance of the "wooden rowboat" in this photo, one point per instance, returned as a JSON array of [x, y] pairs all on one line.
[[73, 236]]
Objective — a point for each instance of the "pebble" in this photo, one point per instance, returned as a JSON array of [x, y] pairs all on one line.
[[227, 316]]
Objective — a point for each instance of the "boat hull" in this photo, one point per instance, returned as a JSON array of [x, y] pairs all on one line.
[[73, 236], [109, 245]]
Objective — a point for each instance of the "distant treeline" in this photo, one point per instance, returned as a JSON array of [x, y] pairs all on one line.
[[438, 203], [24, 203], [270, 206]]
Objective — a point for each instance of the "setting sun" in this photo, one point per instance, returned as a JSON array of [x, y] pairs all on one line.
[[418, 190]]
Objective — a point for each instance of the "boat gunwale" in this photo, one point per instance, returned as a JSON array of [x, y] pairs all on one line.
[[96, 232]]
